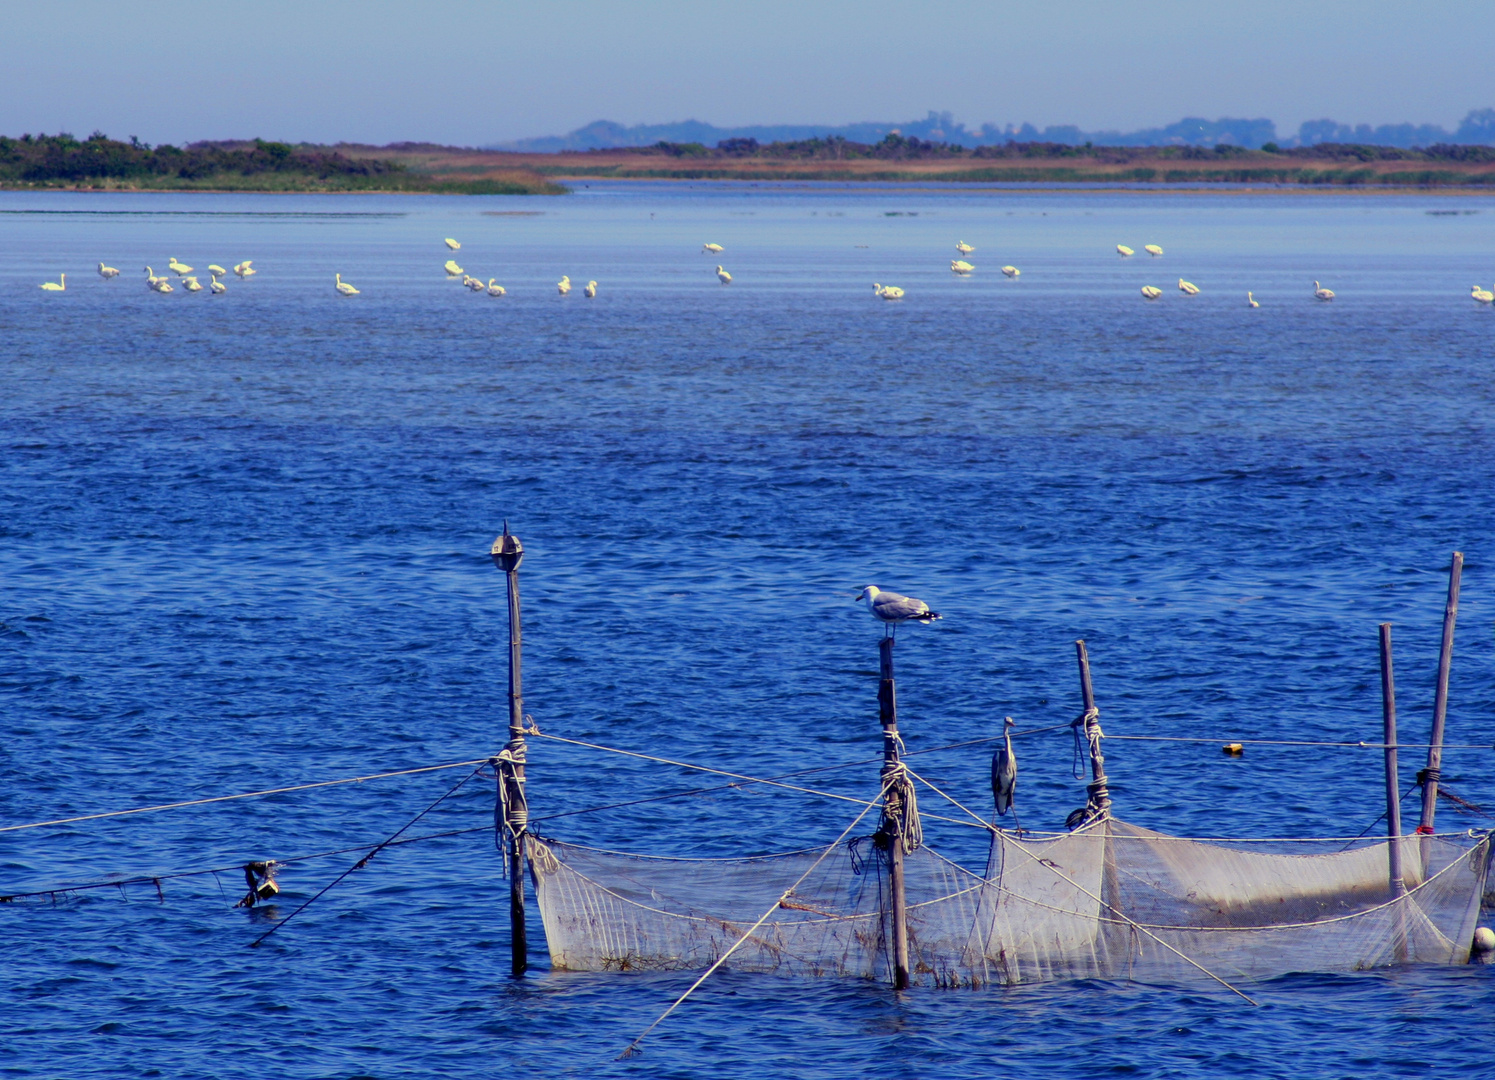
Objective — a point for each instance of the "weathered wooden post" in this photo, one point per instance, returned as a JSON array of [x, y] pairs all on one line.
[[1393, 796], [1433, 775], [894, 812], [1098, 800], [507, 554]]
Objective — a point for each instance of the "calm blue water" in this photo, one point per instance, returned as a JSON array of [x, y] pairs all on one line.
[[245, 545]]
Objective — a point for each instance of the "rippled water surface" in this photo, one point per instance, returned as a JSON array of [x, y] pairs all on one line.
[[245, 546]]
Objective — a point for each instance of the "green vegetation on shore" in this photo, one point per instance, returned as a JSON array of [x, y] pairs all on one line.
[[101, 163]]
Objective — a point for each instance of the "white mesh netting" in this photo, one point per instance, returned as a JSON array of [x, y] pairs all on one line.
[[1098, 902]]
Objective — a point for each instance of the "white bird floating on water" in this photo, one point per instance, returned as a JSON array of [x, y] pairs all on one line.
[[60, 285], [343, 287], [564, 285], [1484, 296], [1152, 249], [217, 287], [960, 266], [1004, 771], [1124, 251], [163, 286], [191, 284], [214, 270], [244, 270], [890, 608], [176, 266], [452, 243], [1151, 292], [107, 272], [963, 247], [1188, 288], [722, 276], [1011, 271], [451, 268], [1322, 294], [713, 249], [887, 292], [590, 292], [1251, 301], [495, 290], [475, 284]]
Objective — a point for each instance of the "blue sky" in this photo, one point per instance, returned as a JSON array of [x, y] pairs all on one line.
[[477, 72]]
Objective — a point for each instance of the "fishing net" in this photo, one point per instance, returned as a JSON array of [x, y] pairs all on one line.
[[1110, 900]]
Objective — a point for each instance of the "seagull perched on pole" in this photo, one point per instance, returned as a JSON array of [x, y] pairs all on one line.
[[890, 608]]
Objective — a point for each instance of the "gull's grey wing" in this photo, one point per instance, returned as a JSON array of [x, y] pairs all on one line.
[[890, 606]]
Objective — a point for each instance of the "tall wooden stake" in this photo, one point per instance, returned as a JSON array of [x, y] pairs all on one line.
[[1099, 794], [1393, 795], [508, 553], [1440, 699], [893, 811]]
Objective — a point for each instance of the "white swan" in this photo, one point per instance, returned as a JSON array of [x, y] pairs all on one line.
[[713, 249], [1151, 292], [1322, 294], [475, 284], [1188, 288], [244, 270], [963, 247], [1011, 271], [495, 290], [451, 268], [176, 266], [191, 284], [590, 292], [564, 285], [163, 286], [887, 292], [960, 266], [722, 276], [343, 287], [1152, 249], [60, 285], [1484, 296], [107, 272], [452, 243], [1124, 251], [1251, 301], [218, 288], [151, 280], [216, 271]]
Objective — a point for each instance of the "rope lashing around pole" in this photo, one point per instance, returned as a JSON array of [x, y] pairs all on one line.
[[633, 1047], [906, 825]]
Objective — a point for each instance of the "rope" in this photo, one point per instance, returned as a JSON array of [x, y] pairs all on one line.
[[1301, 742], [632, 1048], [243, 795], [365, 860]]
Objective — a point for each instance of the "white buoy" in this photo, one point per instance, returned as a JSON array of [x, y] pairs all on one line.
[[1484, 940]]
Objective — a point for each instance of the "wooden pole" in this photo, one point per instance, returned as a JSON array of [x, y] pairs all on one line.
[[893, 811], [1393, 795], [1440, 700], [1098, 803], [508, 553]]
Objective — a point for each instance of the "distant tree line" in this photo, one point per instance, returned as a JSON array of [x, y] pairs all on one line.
[[63, 158]]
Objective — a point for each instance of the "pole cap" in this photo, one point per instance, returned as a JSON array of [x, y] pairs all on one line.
[[507, 551]]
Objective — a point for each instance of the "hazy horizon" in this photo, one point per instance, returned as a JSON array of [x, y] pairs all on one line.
[[378, 72]]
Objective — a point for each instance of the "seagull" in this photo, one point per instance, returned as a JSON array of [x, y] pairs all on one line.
[[1322, 294], [1251, 301], [216, 271], [495, 290], [963, 247], [960, 266], [1151, 292], [887, 292], [107, 272], [1004, 771], [713, 249], [451, 268], [1011, 271], [722, 276], [1484, 296], [1152, 249], [890, 608], [60, 285], [1188, 288], [564, 285], [176, 266], [1124, 251], [218, 288], [452, 243], [343, 287]]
